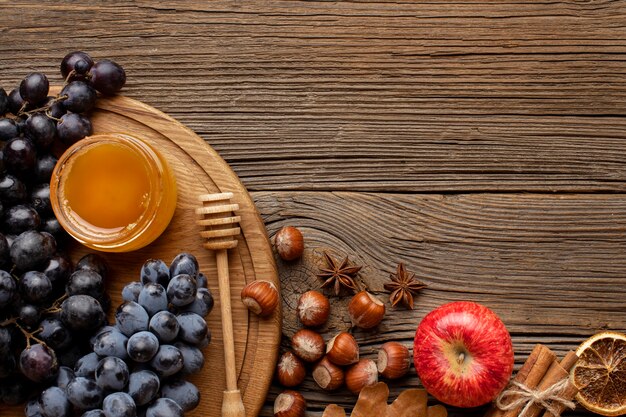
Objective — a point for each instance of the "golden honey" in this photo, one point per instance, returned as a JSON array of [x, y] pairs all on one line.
[[113, 192]]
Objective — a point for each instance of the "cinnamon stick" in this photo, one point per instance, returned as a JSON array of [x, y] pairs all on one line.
[[570, 390], [537, 363]]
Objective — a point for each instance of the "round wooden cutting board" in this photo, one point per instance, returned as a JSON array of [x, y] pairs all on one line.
[[199, 170]]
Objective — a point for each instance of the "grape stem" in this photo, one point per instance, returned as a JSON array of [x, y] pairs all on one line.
[[27, 335], [44, 109]]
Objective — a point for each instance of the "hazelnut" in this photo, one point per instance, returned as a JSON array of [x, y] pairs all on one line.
[[308, 345], [289, 404], [313, 308], [394, 360], [361, 374], [343, 349], [328, 375], [366, 311], [260, 297], [290, 370], [289, 243]]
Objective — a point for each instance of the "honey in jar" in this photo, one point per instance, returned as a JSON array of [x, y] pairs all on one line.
[[113, 192]]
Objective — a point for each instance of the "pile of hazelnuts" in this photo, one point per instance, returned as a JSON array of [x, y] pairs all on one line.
[[334, 363]]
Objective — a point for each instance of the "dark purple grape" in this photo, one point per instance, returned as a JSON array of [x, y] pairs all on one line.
[[153, 298], [8, 129], [58, 270], [82, 313], [38, 363], [164, 407], [112, 374], [193, 328], [202, 304], [29, 316], [131, 291], [93, 262], [142, 346], [70, 60], [184, 263], [44, 167], [81, 97], [84, 393], [41, 130], [167, 361], [86, 365], [55, 333], [131, 318], [72, 127], [155, 270], [119, 404], [20, 218], [54, 403], [12, 189], [85, 281], [31, 250], [82, 66], [8, 289], [202, 281], [35, 287], [143, 386], [4, 101], [16, 102], [65, 375], [20, 157], [184, 393], [111, 343], [193, 359], [107, 77], [34, 87], [164, 325], [181, 290], [40, 199]]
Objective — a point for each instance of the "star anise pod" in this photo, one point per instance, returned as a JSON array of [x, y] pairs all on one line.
[[338, 275], [402, 286]]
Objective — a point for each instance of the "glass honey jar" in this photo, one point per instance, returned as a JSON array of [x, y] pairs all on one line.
[[113, 192]]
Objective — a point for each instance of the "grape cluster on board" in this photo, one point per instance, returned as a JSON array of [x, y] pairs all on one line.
[[138, 366]]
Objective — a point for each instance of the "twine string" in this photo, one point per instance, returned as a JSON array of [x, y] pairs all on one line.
[[527, 397]]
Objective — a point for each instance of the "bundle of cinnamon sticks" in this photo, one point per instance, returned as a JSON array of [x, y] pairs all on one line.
[[541, 372]]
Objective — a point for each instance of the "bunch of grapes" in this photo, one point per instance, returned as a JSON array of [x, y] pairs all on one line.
[[46, 315], [138, 366]]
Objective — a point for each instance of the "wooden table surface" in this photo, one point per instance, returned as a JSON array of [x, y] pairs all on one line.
[[482, 144]]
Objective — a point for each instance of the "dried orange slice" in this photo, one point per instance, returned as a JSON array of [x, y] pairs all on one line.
[[600, 374]]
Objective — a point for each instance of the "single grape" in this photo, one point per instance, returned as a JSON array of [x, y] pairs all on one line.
[[12, 189], [202, 304], [19, 156], [112, 374], [184, 393], [70, 60], [184, 263], [55, 334], [153, 298], [202, 281], [54, 403], [193, 328], [167, 361], [35, 286], [86, 365], [31, 250], [131, 318], [16, 102], [107, 77], [4, 101], [21, 218], [164, 407], [8, 129], [143, 386], [131, 291], [38, 363], [81, 313], [34, 87], [93, 262], [155, 270], [29, 316], [32, 408], [64, 377], [111, 343], [84, 393], [72, 127], [81, 97], [43, 168], [119, 404], [85, 281], [164, 325], [58, 270], [41, 130], [40, 199], [82, 66], [181, 290], [193, 359], [8, 289], [142, 346]]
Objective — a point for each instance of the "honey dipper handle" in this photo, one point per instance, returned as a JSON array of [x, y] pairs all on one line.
[[232, 404]]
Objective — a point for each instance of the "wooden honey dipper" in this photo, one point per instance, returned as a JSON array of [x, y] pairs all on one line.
[[221, 227]]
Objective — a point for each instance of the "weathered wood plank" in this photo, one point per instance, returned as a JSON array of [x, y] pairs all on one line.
[[372, 96], [550, 266]]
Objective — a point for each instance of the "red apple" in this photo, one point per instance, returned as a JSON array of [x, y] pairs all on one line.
[[463, 354]]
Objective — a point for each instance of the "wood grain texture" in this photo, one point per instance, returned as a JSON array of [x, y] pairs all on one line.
[[490, 136]]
